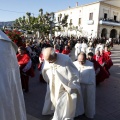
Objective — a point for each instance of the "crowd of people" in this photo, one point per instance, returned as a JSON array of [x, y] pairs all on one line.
[[71, 84], [66, 79]]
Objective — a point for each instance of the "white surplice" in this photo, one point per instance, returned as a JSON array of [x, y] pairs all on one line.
[[64, 89], [99, 46], [11, 97], [84, 47], [88, 86], [90, 49], [77, 49]]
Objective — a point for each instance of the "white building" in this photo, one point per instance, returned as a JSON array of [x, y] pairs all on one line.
[[98, 19]]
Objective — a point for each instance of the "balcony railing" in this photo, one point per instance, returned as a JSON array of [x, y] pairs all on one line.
[[109, 22]]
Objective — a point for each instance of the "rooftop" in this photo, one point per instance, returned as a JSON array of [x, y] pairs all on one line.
[[111, 2]]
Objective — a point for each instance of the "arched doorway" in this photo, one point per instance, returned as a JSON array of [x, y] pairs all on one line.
[[104, 32], [113, 33]]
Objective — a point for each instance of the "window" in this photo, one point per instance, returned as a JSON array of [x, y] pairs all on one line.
[[79, 21], [91, 16], [115, 17], [70, 22], [58, 19], [105, 15]]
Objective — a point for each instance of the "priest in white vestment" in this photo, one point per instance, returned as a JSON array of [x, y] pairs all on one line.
[[87, 82], [11, 96], [78, 46], [90, 49], [64, 87], [99, 46], [84, 47]]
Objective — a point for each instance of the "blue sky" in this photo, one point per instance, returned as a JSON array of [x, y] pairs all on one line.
[[20, 7]]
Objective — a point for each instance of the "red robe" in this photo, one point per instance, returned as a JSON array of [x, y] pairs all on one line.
[[41, 61], [102, 74], [66, 51], [41, 57], [104, 60], [105, 56], [108, 61], [57, 51], [40, 68], [100, 59], [107, 52], [22, 61]]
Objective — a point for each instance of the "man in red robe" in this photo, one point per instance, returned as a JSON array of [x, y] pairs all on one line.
[[66, 50], [99, 58], [107, 60], [106, 51], [25, 65], [101, 73]]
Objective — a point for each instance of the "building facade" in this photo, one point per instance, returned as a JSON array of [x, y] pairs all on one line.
[[98, 19]]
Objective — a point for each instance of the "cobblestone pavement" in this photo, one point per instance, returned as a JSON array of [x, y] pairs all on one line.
[[107, 95]]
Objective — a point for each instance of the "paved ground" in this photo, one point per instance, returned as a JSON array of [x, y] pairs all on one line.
[[107, 95]]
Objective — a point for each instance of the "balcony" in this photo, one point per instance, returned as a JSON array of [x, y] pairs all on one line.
[[90, 22], [109, 22]]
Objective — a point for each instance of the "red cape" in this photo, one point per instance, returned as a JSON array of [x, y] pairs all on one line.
[[66, 52], [102, 74], [108, 60], [22, 61], [100, 60]]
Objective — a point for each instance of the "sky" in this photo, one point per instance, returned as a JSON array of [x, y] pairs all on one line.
[[13, 9]]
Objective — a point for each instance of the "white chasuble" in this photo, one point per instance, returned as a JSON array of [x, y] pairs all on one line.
[[64, 88]]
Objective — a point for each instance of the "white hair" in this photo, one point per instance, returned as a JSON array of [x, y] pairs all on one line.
[[52, 52], [101, 49]]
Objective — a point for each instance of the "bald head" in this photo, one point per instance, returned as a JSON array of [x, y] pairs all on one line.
[[49, 54], [82, 58]]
